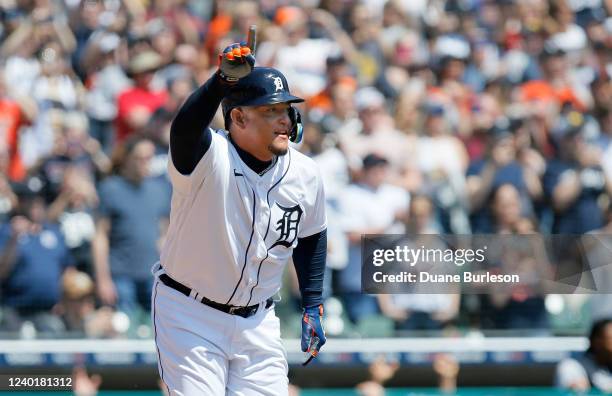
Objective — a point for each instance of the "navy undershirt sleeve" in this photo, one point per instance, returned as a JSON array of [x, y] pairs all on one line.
[[309, 260], [190, 136]]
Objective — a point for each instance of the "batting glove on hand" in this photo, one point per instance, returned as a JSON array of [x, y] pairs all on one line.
[[313, 336], [235, 62]]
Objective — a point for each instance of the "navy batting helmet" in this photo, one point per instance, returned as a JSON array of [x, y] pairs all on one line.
[[263, 86]]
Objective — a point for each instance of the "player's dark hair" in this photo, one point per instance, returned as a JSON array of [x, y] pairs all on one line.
[[597, 331]]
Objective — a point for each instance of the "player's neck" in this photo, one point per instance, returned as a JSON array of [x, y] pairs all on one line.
[[253, 162]]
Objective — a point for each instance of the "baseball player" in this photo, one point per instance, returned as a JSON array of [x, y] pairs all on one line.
[[243, 204]]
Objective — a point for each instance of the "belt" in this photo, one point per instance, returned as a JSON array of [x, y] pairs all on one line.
[[244, 312]]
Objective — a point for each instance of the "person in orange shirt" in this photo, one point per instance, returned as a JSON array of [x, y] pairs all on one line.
[[11, 119], [556, 86], [338, 72]]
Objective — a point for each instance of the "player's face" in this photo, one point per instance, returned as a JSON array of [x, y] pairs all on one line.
[[271, 124]]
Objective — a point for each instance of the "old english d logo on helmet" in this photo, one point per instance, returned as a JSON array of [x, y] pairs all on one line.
[[264, 85], [278, 84]]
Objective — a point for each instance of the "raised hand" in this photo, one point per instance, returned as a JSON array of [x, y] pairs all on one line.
[[237, 60]]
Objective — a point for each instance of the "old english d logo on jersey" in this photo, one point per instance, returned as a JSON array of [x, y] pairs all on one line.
[[287, 225]]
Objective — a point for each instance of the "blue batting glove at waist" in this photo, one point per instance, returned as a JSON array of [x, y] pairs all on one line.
[[313, 336]]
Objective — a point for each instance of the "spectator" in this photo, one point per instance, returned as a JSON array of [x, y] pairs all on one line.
[[12, 118], [55, 90], [592, 369], [605, 121], [335, 181], [73, 209], [506, 208], [446, 368], [78, 312], [377, 133], [34, 257], [363, 28], [406, 50], [422, 218], [500, 166], [427, 313], [601, 89], [369, 207], [325, 152], [131, 221], [342, 116], [181, 24], [601, 303], [441, 159], [570, 37], [85, 384], [299, 57], [42, 26], [136, 105], [556, 86], [380, 371], [484, 65], [407, 115], [158, 130], [574, 182], [73, 148], [78, 301], [231, 20], [486, 110], [517, 306], [8, 199], [337, 72], [57, 86], [106, 81], [180, 85], [415, 310]]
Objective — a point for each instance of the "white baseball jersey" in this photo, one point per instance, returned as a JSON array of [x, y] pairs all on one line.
[[231, 230]]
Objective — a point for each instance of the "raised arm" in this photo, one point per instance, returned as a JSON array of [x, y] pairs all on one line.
[[190, 136]]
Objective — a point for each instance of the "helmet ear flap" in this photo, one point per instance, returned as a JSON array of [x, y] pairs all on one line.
[[297, 129]]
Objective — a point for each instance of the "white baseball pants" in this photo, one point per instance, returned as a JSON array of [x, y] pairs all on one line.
[[203, 351]]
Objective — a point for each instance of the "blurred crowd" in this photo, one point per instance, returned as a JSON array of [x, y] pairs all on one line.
[[425, 116]]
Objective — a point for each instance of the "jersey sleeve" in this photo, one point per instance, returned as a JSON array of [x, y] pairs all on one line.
[[316, 219], [309, 261], [186, 184]]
